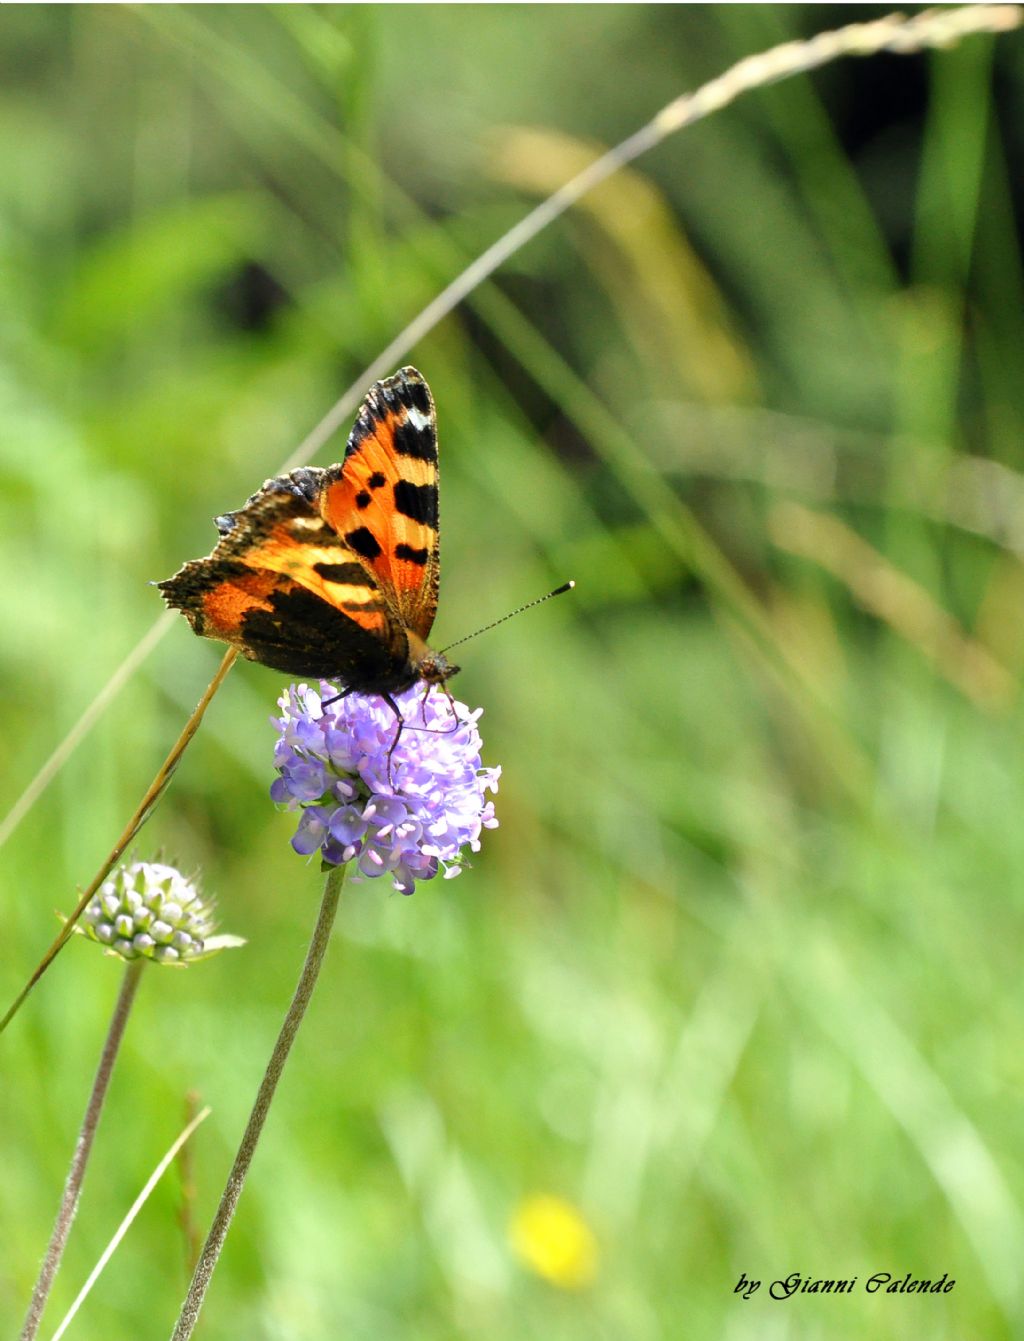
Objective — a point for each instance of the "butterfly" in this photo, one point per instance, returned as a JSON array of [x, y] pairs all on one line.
[[333, 573]]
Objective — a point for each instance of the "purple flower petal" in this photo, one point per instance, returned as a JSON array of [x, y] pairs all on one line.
[[311, 831], [347, 825]]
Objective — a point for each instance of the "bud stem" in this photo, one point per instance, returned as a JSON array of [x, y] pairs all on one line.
[[83, 1147]]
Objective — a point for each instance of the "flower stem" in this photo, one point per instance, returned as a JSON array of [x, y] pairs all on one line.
[[236, 1178], [145, 807], [83, 1147]]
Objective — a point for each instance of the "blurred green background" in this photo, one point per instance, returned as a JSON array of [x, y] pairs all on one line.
[[737, 981]]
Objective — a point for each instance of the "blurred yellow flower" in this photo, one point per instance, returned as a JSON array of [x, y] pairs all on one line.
[[552, 1238]]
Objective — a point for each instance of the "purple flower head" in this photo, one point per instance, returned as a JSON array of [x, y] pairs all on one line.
[[408, 817]]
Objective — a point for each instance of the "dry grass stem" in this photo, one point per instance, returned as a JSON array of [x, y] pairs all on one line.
[[894, 597]]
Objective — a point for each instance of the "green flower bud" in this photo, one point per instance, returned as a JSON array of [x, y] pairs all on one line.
[[147, 910]]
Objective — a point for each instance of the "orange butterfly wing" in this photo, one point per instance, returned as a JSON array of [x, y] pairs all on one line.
[[383, 499], [326, 572]]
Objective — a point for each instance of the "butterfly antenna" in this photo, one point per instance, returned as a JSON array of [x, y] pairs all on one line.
[[558, 591]]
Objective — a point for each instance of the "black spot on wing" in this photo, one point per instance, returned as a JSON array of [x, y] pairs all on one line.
[[312, 531], [361, 430], [363, 499], [420, 556], [386, 400], [417, 395], [420, 443], [352, 573], [376, 480], [363, 542], [418, 501]]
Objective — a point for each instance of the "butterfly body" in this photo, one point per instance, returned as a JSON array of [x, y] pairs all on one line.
[[333, 573]]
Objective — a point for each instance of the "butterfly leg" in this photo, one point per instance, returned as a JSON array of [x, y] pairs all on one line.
[[423, 704], [326, 703], [398, 730], [457, 720], [455, 712]]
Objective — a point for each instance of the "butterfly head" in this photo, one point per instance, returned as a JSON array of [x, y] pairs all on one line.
[[431, 667], [435, 668]]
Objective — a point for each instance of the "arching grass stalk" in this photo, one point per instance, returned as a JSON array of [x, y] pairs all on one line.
[[83, 1148], [236, 1178], [895, 33], [145, 808], [147, 911]]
